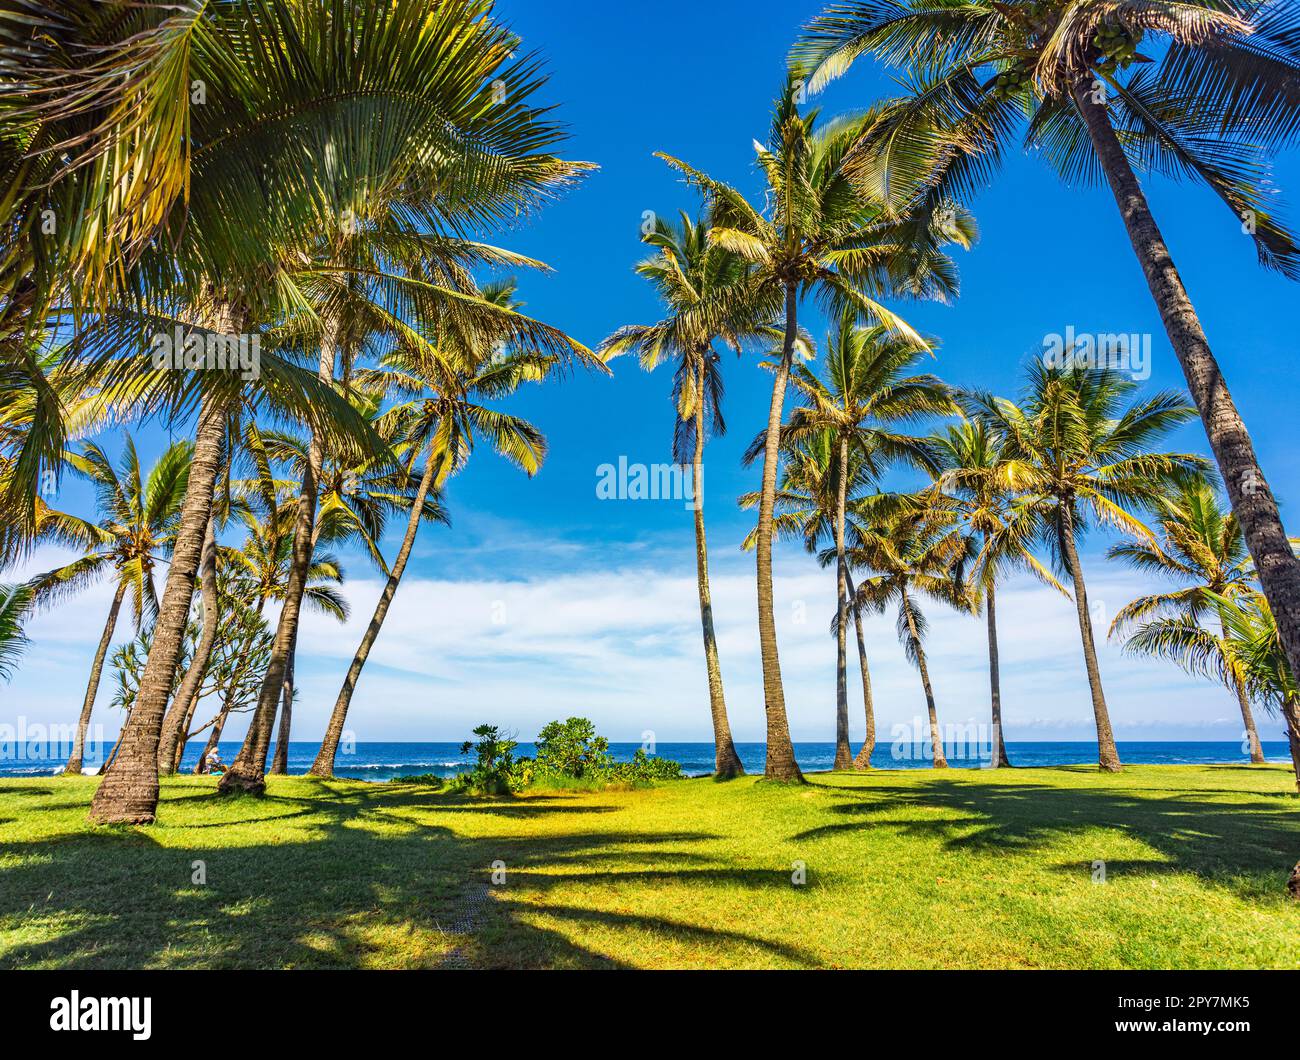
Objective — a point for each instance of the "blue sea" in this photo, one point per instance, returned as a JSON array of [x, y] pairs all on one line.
[[384, 761]]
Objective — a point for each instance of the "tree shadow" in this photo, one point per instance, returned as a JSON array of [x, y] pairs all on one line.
[[354, 880], [1246, 843]]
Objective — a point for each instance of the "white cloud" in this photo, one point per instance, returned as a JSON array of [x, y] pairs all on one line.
[[618, 639]]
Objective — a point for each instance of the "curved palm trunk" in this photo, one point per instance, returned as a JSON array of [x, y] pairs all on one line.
[[998, 757], [726, 763], [843, 754], [1292, 713], [247, 773], [280, 762], [781, 764], [92, 689], [1107, 752], [863, 758], [936, 738], [329, 748], [176, 723], [129, 791], [1252, 500]]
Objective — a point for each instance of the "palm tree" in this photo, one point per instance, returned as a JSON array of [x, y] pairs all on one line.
[[15, 605], [1222, 93], [135, 534], [1249, 652], [972, 484], [819, 235], [235, 191], [444, 380], [1202, 544], [869, 387], [914, 553], [806, 508], [1078, 450], [690, 274]]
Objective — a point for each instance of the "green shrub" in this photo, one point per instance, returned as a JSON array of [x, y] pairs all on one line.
[[495, 770], [572, 749], [431, 780]]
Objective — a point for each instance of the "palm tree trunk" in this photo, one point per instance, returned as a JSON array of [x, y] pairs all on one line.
[[1247, 715], [726, 763], [129, 790], [843, 754], [781, 764], [1291, 711], [1107, 752], [248, 771], [280, 762], [176, 723], [863, 758], [936, 738], [92, 689], [999, 750], [324, 764], [1252, 500]]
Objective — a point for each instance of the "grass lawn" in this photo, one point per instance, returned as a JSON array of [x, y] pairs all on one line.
[[903, 869]]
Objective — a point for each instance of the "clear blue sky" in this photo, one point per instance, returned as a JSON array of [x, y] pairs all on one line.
[[544, 601]]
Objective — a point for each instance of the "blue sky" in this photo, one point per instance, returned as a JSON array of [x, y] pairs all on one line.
[[544, 601]]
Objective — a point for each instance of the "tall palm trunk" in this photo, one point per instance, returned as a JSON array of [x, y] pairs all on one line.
[[1292, 713], [1252, 500], [92, 689], [863, 758], [1107, 752], [998, 757], [726, 763], [280, 762], [129, 790], [247, 773], [324, 764], [936, 737], [176, 723], [843, 754], [781, 764]]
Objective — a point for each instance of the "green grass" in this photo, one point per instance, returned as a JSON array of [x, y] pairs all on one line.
[[904, 869]]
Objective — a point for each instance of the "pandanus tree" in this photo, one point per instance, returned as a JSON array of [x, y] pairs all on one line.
[[914, 554], [1079, 451], [1197, 89], [806, 509], [973, 484], [700, 283], [1199, 544], [133, 536], [819, 234], [871, 387], [445, 378], [221, 187]]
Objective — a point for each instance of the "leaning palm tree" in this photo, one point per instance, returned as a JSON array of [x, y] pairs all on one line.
[[914, 553], [870, 387], [1248, 651], [132, 538], [444, 382], [1079, 451], [973, 484], [690, 274], [1201, 544], [820, 234], [238, 195], [1070, 74]]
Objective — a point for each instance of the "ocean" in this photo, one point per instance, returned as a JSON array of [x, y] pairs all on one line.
[[384, 761]]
